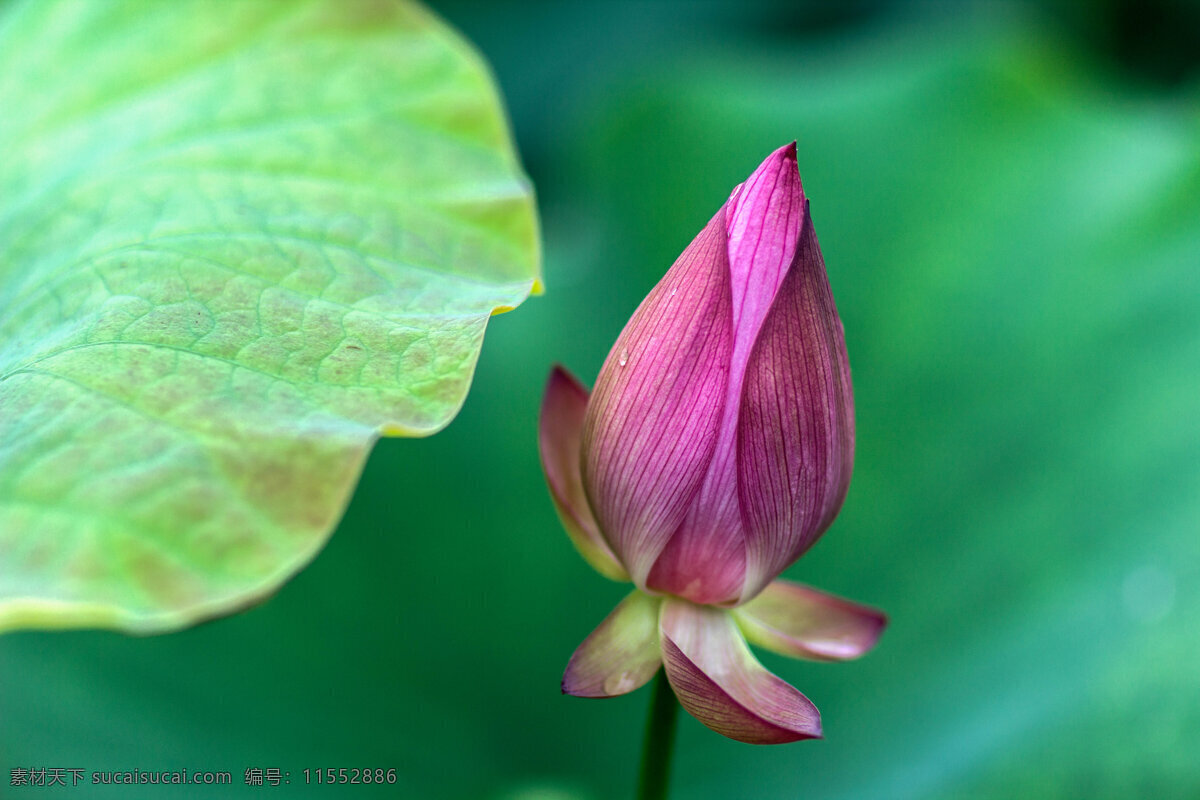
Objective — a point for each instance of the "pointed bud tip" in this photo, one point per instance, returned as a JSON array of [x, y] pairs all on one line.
[[781, 159], [786, 156]]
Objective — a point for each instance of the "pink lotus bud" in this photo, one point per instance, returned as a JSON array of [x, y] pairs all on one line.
[[715, 449]]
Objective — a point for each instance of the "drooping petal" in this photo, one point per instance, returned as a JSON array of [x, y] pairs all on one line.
[[621, 654], [719, 682], [705, 560], [652, 421], [796, 428], [560, 437], [801, 622]]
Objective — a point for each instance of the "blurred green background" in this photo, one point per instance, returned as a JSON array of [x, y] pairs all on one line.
[[1008, 199]]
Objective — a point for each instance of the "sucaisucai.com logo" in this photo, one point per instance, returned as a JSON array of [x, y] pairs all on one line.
[[138, 777]]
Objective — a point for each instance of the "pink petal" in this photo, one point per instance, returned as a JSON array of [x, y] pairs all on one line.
[[796, 429], [763, 225], [560, 436], [702, 562], [651, 424], [705, 560], [719, 682], [621, 654], [799, 621]]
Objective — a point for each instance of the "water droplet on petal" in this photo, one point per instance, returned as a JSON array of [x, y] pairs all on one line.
[[624, 359]]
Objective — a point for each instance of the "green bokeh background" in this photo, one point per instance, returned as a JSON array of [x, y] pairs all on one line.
[[1008, 199]]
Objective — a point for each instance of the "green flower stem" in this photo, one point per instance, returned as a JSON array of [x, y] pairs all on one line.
[[660, 735]]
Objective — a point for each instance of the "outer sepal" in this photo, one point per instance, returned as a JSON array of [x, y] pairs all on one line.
[[719, 682], [621, 655], [560, 436], [801, 622]]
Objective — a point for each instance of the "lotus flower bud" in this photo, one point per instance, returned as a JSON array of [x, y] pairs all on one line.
[[714, 450]]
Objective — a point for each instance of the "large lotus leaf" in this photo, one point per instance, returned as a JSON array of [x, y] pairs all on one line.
[[238, 242]]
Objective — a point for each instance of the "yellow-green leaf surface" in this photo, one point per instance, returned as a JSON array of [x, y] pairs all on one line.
[[238, 242]]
